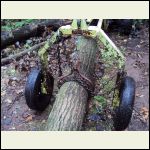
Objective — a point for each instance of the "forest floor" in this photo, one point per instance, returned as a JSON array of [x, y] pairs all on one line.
[[137, 66], [16, 115]]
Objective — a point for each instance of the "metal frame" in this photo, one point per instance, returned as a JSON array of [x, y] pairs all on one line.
[[95, 32]]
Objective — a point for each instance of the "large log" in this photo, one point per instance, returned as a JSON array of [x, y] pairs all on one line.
[[30, 30], [69, 107]]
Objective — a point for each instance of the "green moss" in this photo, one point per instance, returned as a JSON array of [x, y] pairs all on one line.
[[109, 87], [43, 89], [43, 55], [110, 57], [93, 110], [101, 100], [116, 98], [11, 72], [107, 83], [12, 24], [109, 53]]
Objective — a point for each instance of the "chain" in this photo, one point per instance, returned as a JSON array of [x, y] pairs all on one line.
[[76, 76]]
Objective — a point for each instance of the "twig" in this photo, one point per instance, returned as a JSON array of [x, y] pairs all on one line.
[[9, 59], [136, 52]]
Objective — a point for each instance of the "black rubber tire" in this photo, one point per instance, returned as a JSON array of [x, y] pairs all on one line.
[[34, 98], [124, 111]]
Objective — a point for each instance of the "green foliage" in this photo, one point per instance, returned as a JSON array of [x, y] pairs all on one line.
[[14, 24], [94, 110], [43, 89], [110, 54], [108, 87], [11, 72], [43, 55], [107, 83], [27, 45], [116, 99], [101, 100]]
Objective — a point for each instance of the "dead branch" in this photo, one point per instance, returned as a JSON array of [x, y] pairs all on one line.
[[9, 59]]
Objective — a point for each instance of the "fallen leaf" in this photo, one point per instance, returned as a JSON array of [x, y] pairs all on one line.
[[139, 95], [139, 56], [43, 121], [3, 93], [5, 81], [25, 115], [141, 41], [145, 112], [3, 67], [135, 65], [32, 64], [14, 112], [145, 73], [29, 118], [109, 116], [12, 82], [8, 101], [146, 116], [13, 128], [144, 109], [14, 79], [19, 91], [138, 46]]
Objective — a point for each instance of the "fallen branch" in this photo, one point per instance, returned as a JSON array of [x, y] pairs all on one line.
[[33, 29], [9, 59]]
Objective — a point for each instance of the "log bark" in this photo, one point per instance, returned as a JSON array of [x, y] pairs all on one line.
[[27, 31], [69, 107]]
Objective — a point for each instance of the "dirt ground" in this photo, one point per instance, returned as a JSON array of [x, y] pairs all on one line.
[[137, 66], [16, 115]]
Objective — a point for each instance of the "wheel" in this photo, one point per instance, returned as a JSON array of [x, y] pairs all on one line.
[[35, 99], [124, 111]]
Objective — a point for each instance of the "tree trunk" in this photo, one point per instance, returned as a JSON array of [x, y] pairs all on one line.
[[27, 31], [69, 108]]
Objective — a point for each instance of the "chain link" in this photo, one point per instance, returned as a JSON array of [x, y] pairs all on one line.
[[77, 77]]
